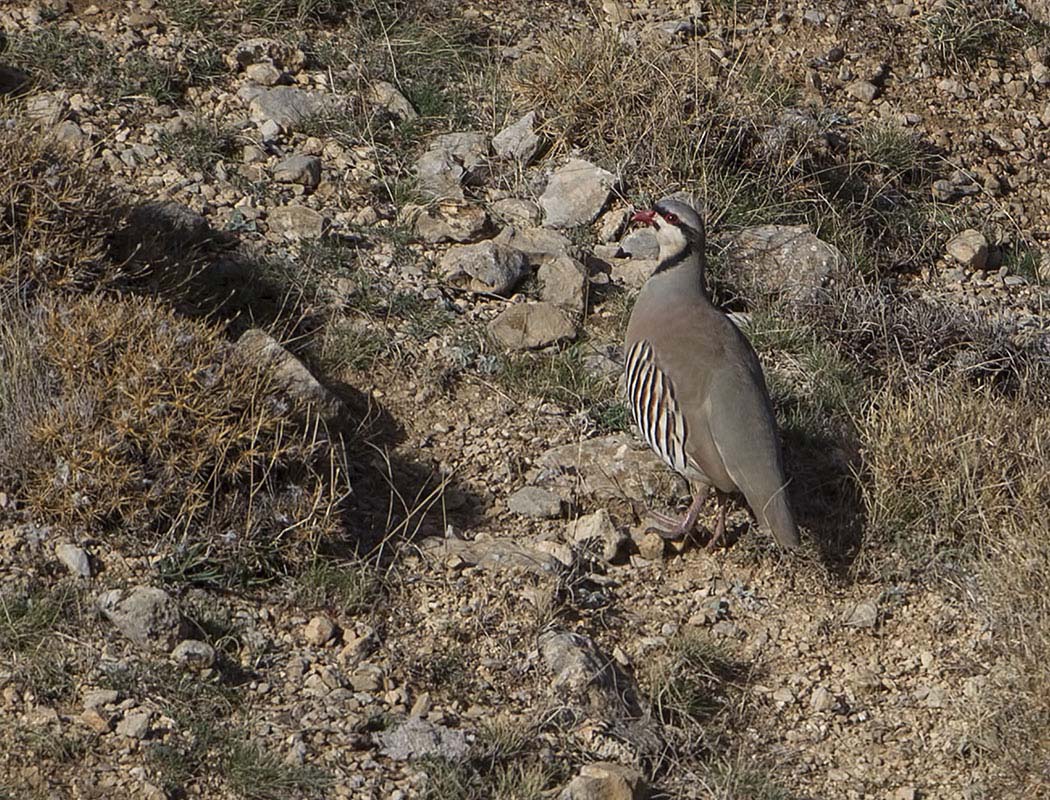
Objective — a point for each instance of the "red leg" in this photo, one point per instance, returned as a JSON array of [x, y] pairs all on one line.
[[720, 524], [678, 530]]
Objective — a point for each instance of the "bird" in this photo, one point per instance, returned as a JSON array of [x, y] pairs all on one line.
[[696, 388]]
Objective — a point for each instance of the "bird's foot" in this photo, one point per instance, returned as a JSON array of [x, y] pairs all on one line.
[[668, 527]]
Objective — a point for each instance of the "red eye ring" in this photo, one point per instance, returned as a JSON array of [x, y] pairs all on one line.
[[672, 218]]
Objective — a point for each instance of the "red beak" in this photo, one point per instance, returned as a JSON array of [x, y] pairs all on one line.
[[648, 217]]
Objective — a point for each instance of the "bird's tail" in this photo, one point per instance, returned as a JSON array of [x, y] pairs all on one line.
[[774, 511]]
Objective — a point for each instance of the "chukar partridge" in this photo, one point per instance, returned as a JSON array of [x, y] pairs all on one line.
[[696, 388]]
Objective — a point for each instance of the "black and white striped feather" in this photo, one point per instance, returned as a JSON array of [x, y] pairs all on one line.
[[656, 411]]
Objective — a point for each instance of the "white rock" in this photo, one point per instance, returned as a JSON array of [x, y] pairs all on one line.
[[576, 194], [74, 558]]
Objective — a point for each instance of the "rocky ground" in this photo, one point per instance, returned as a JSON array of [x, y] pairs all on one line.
[[414, 221]]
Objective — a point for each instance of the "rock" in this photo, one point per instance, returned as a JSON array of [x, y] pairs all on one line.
[[135, 724], [537, 244], [529, 326], [821, 699], [298, 222], [74, 558], [265, 51], [651, 545], [70, 136], [440, 176], [304, 170], [969, 248], [100, 697], [576, 194], [492, 554], [99, 721], [416, 738], [590, 685], [517, 211], [146, 615], [367, 678], [450, 222], [862, 615], [484, 267], [632, 272], [534, 501], [865, 91], [599, 527], [518, 141], [257, 345], [359, 645], [450, 162], [609, 467], [48, 108], [783, 261], [641, 243], [563, 282], [605, 780], [389, 97], [194, 654], [611, 225], [319, 630], [263, 74], [286, 106]]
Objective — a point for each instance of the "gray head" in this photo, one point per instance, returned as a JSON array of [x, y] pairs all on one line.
[[679, 230]]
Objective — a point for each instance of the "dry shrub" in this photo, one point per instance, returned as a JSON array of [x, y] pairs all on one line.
[[54, 216], [954, 472], [159, 435]]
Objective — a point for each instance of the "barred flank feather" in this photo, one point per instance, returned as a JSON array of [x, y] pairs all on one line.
[[656, 411]]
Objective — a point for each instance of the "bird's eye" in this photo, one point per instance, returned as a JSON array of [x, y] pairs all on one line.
[[672, 218]]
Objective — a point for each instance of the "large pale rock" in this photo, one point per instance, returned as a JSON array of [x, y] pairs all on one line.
[[518, 141], [641, 243], [783, 261], [534, 501], [298, 222], [609, 467], [74, 558], [450, 162], [416, 738], [969, 248], [538, 244], [146, 615], [599, 528], [563, 282], [389, 97], [529, 326], [484, 267], [259, 347], [286, 106], [304, 170], [517, 211], [449, 222], [606, 780], [576, 194]]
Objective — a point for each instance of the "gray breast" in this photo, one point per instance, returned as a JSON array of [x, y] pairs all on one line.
[[656, 412]]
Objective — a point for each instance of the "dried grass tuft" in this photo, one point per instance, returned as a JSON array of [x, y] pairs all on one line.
[[159, 436]]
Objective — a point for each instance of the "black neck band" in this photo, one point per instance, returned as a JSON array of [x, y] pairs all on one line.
[[673, 261]]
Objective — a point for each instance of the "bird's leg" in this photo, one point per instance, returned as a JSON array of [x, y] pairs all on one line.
[[678, 530], [720, 523]]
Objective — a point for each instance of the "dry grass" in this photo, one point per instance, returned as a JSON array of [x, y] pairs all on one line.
[[54, 217], [156, 430], [737, 135], [957, 475]]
